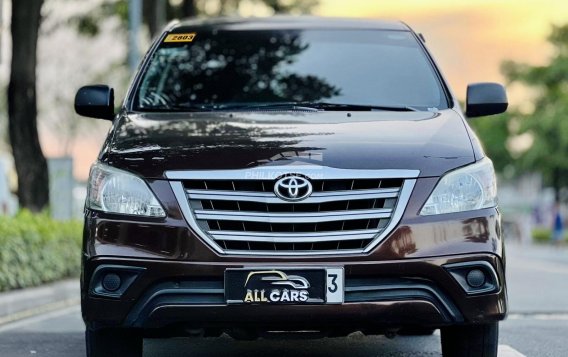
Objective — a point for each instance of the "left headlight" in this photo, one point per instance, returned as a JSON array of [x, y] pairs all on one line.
[[466, 189], [115, 191]]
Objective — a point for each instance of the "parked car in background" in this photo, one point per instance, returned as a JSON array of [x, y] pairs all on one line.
[[291, 174]]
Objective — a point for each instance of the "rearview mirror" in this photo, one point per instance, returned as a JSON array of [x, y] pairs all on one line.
[[485, 99], [95, 101]]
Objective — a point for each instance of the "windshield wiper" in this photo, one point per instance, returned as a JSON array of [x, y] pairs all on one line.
[[300, 106], [314, 106], [180, 107], [361, 107], [269, 106]]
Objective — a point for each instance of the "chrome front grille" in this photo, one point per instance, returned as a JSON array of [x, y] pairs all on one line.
[[237, 211]]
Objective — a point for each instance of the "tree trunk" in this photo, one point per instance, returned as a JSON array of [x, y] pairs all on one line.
[[154, 12], [275, 5], [31, 166], [188, 8]]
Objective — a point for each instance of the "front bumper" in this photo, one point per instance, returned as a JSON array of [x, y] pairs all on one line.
[[379, 295]]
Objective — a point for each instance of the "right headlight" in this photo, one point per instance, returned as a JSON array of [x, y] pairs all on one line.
[[466, 189], [116, 191]]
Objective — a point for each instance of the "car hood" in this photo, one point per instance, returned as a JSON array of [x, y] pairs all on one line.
[[150, 144]]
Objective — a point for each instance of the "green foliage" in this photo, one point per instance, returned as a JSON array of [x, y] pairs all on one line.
[[547, 123], [88, 23], [544, 235], [36, 249], [290, 6], [541, 235], [493, 132]]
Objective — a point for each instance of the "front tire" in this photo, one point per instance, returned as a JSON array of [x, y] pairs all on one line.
[[470, 341], [113, 342]]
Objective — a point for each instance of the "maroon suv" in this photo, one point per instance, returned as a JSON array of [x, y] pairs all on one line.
[[291, 174]]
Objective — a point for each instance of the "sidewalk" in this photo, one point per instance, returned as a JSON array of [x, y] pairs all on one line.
[[19, 304]]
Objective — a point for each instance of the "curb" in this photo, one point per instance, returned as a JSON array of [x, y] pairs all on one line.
[[20, 304]]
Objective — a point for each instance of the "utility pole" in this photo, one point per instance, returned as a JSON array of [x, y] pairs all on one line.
[[134, 25]]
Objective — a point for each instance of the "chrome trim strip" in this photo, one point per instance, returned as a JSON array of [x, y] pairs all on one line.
[[300, 234], [292, 252], [181, 198], [270, 197], [272, 172], [292, 217], [296, 238], [405, 192]]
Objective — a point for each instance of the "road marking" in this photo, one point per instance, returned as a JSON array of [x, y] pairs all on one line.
[[560, 316], [508, 351], [39, 310], [39, 318]]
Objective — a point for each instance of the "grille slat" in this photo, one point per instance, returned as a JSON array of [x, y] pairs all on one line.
[[292, 217], [238, 211], [270, 197], [344, 214], [294, 237]]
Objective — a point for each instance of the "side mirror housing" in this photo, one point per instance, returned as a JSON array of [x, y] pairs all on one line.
[[485, 99], [95, 101]]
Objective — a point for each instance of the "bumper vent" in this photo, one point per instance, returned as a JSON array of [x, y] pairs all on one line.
[[237, 211]]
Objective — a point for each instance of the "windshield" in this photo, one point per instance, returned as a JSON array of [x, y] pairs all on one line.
[[223, 69]]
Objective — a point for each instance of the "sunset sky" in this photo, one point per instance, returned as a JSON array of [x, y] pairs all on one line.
[[469, 40]]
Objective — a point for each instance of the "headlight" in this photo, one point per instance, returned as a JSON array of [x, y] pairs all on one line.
[[466, 189], [115, 191]]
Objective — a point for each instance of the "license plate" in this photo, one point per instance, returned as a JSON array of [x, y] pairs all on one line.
[[284, 286]]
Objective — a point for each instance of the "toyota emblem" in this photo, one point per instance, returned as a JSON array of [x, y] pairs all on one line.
[[293, 188]]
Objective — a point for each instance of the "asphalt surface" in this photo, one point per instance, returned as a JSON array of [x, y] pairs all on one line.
[[537, 325]]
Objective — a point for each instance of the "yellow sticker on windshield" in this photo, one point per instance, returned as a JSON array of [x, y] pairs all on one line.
[[180, 37]]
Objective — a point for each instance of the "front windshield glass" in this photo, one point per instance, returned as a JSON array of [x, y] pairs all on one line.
[[230, 68]]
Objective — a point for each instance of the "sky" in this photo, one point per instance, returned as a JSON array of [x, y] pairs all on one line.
[[469, 40]]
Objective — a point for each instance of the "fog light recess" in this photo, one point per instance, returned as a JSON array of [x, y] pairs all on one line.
[[477, 277], [111, 282]]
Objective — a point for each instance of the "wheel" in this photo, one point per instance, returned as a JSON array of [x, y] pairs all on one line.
[[470, 341], [113, 342], [416, 331]]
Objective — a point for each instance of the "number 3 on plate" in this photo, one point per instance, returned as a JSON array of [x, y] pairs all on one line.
[[334, 293]]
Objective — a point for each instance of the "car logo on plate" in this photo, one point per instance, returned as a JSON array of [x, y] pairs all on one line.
[[293, 188], [275, 286]]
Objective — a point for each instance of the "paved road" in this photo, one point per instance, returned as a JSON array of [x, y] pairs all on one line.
[[537, 325]]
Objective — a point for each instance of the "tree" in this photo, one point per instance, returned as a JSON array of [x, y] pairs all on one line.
[[156, 12], [547, 123], [494, 133], [31, 165]]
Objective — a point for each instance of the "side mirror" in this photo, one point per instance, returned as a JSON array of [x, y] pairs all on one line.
[[96, 101], [485, 99]]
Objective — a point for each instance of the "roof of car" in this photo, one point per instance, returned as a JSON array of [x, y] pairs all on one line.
[[288, 22]]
